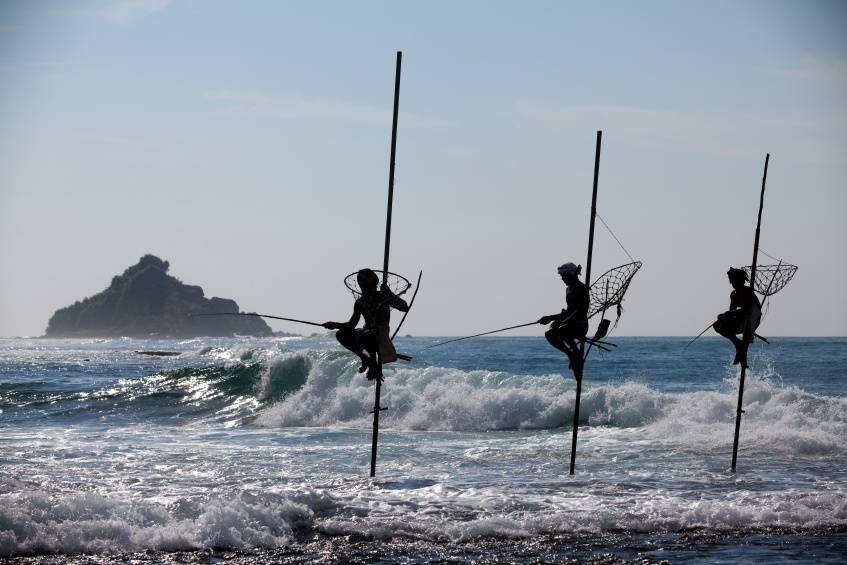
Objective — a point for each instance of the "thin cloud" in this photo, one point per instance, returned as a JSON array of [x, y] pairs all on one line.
[[116, 141], [811, 141], [311, 109], [126, 10], [634, 122], [629, 119], [120, 11], [817, 69]]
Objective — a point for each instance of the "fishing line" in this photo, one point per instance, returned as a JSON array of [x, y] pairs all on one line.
[[769, 256], [614, 236]]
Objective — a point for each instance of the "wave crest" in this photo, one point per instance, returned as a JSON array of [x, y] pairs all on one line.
[[784, 418], [37, 523]]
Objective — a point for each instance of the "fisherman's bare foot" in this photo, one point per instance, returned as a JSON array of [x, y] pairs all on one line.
[[367, 364], [374, 373]]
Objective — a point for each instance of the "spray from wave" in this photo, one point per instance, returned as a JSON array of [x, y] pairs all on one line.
[[308, 388], [781, 418], [37, 523]]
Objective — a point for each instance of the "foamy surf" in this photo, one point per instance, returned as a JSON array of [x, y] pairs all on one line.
[[261, 448], [36, 522]]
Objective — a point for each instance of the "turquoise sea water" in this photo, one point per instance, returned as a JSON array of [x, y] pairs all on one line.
[[258, 449]]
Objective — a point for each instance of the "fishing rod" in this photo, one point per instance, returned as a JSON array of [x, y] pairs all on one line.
[[700, 334], [596, 342], [755, 335], [478, 335], [411, 303], [261, 316]]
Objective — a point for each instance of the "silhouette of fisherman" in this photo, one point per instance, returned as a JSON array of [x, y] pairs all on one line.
[[744, 310], [571, 324], [375, 306]]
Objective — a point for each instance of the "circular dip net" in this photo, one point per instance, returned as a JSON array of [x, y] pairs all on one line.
[[770, 279], [397, 283], [609, 288]]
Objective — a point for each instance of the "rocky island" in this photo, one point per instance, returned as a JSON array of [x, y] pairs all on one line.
[[146, 302]]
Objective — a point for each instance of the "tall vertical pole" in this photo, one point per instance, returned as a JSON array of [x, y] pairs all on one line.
[[578, 367], [749, 329], [378, 389]]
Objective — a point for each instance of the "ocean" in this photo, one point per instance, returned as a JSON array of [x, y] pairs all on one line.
[[258, 449]]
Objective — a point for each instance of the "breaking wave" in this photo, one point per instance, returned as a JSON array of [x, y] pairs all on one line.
[[323, 389], [782, 418], [37, 523]]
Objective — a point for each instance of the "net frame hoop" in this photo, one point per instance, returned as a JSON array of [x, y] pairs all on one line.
[[599, 298], [398, 284], [778, 277]]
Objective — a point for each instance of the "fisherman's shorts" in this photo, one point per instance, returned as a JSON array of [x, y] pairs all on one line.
[[358, 339], [734, 322], [573, 330]]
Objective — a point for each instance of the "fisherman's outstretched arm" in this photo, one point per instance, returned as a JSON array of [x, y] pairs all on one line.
[[351, 323]]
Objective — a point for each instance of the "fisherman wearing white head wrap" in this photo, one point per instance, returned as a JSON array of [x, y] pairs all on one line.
[[570, 269], [572, 323]]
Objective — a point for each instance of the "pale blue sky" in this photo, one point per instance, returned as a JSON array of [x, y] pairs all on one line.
[[247, 143]]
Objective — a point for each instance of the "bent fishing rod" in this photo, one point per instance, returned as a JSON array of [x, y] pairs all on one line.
[[261, 316]]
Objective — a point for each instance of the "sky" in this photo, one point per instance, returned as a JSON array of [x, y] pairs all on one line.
[[248, 143]]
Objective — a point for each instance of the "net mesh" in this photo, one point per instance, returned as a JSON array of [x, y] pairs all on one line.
[[609, 288], [397, 283], [770, 279]]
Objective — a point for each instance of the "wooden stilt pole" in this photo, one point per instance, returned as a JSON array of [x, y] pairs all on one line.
[[748, 333], [578, 368], [378, 389]]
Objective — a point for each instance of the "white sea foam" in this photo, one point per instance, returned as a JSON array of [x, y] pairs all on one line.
[[38, 523], [35, 522], [781, 418], [178, 477]]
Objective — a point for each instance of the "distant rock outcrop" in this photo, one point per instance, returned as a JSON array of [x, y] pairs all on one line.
[[145, 301]]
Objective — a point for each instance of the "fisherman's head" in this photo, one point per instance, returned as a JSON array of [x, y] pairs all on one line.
[[368, 280], [569, 272], [737, 277]]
